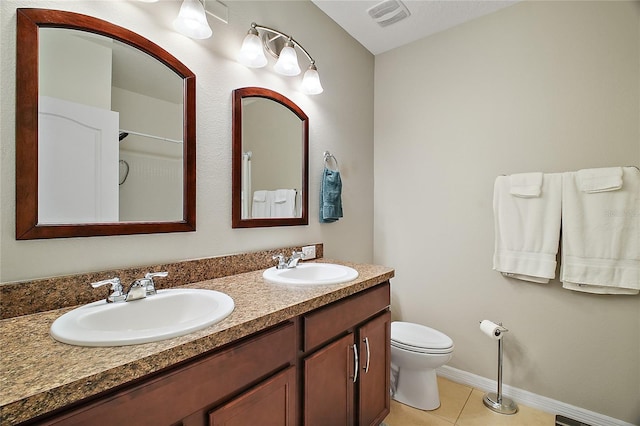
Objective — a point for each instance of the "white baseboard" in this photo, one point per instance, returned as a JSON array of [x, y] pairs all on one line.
[[530, 399]]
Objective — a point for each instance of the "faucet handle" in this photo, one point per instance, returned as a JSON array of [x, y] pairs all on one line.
[[151, 275], [116, 288], [115, 284], [150, 285], [282, 261]]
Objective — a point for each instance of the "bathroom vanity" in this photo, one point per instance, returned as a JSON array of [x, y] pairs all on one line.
[[315, 355]]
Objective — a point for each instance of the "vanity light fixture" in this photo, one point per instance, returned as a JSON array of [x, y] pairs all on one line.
[[192, 20], [282, 47]]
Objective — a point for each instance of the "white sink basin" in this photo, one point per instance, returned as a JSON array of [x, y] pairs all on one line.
[[167, 314], [311, 274]]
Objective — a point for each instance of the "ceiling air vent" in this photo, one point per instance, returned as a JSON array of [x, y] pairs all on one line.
[[388, 12]]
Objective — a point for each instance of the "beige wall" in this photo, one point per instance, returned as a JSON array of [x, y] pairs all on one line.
[[341, 121], [74, 69], [539, 86]]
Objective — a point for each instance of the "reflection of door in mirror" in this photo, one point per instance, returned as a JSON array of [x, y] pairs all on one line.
[[78, 160], [272, 161]]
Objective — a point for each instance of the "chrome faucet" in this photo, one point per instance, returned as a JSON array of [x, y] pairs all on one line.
[[284, 263], [139, 289], [296, 256]]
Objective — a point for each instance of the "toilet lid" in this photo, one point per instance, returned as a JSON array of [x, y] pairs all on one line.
[[419, 338]]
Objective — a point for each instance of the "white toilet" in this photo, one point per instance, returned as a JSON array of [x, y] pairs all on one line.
[[416, 351]]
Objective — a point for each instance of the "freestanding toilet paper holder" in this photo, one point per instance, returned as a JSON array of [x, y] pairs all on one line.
[[496, 401]]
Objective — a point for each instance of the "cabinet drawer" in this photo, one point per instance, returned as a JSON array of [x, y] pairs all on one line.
[[328, 322], [175, 394]]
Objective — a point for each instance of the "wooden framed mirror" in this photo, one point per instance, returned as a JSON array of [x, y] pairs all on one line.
[[105, 130], [270, 160]]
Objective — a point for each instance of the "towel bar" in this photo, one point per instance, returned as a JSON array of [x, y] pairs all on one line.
[[328, 157]]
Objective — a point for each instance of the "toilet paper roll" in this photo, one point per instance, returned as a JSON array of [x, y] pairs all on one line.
[[491, 329]]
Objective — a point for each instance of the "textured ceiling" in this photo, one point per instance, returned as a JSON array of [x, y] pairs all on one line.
[[427, 17]]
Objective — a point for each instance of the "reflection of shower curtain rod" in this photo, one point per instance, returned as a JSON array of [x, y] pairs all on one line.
[[150, 136]]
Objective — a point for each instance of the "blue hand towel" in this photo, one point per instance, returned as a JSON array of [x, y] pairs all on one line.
[[330, 196]]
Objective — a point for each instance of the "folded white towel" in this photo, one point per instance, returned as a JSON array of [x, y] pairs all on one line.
[[599, 180], [261, 206], [281, 195], [527, 230], [526, 184], [601, 236], [284, 203]]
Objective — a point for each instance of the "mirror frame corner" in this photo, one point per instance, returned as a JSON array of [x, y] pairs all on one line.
[[29, 21], [236, 206]]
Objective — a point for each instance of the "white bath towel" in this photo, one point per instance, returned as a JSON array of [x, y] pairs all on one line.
[[601, 236], [526, 184], [599, 180], [261, 206], [284, 203], [527, 230]]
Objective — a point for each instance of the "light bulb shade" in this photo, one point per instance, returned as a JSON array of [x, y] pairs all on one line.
[[311, 82], [288, 61], [251, 54], [192, 20]]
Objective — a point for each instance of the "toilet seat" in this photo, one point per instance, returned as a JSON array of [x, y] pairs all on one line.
[[419, 338]]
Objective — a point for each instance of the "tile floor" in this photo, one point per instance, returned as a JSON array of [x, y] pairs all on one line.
[[462, 405]]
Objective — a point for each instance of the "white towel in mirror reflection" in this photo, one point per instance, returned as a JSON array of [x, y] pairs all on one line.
[[280, 203], [261, 207]]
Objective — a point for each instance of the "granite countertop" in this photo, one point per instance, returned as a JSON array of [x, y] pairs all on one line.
[[39, 374]]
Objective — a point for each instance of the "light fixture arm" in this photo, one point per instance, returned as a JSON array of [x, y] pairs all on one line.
[[289, 38], [255, 44]]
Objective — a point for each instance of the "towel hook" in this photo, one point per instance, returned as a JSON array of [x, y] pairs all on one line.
[[328, 157]]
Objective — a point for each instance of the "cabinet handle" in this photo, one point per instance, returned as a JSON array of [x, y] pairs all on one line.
[[355, 353], [366, 343]]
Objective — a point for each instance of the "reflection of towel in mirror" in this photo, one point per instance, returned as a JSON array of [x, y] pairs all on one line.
[[261, 206], [330, 196], [284, 203]]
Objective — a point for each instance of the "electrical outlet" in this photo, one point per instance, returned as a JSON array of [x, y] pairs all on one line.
[[308, 252]]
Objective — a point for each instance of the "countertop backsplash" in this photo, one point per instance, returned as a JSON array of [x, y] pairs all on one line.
[[29, 297]]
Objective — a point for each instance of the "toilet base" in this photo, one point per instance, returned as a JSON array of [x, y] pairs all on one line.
[[418, 389]]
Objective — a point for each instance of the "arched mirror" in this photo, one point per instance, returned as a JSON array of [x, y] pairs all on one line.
[[105, 130], [270, 160]]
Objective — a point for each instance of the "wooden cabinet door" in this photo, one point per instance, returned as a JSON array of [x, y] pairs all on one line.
[[271, 403], [375, 361], [329, 384]]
